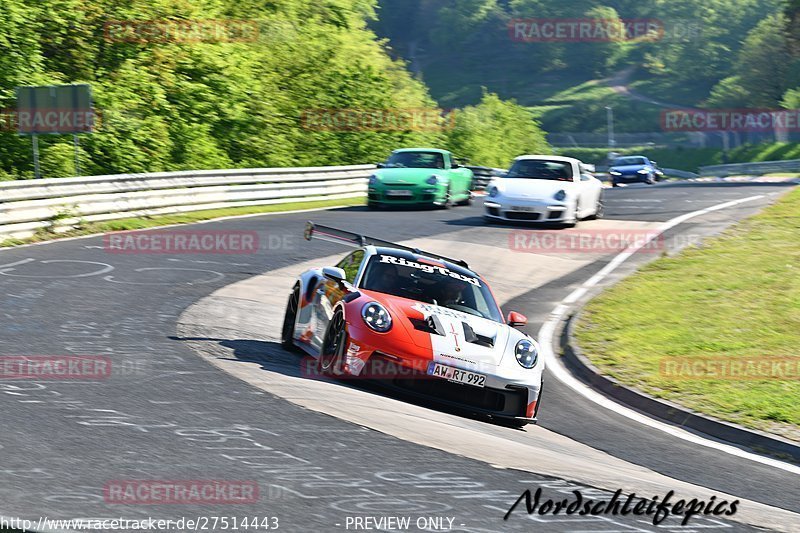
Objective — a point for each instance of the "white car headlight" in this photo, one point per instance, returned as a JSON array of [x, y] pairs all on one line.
[[376, 317], [526, 353], [560, 195], [643, 171], [493, 192], [615, 173], [373, 180], [433, 180]]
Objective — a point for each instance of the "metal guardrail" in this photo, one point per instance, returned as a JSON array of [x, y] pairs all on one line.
[[483, 175], [28, 206], [681, 174], [751, 169]]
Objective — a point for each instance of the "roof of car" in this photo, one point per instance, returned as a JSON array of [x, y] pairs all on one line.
[[414, 257], [437, 150], [549, 158]]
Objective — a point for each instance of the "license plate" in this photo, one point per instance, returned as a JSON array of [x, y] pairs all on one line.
[[524, 209], [456, 374], [398, 192]]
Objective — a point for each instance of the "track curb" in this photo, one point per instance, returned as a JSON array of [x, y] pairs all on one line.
[[580, 366]]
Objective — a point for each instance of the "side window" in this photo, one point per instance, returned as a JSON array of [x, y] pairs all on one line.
[[351, 264]]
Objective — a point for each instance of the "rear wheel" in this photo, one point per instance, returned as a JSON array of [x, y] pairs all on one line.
[[331, 355], [289, 319], [599, 210]]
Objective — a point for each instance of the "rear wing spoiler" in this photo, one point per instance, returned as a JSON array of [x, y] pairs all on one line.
[[348, 238]]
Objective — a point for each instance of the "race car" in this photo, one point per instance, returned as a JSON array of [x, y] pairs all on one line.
[[544, 189], [417, 321], [420, 176]]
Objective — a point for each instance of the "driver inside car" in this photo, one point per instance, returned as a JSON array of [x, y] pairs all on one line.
[[452, 293]]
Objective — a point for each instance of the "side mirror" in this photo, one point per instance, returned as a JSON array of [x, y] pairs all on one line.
[[380, 165], [334, 274], [455, 165], [516, 320]]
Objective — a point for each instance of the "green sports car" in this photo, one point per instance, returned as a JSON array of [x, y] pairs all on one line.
[[420, 176]]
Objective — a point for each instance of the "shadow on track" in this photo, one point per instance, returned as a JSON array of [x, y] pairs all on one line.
[[273, 358]]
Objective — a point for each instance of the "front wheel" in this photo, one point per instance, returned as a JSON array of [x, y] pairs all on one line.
[[289, 319], [331, 356], [448, 200]]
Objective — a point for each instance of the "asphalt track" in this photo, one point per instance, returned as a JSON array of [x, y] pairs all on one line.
[[166, 414]]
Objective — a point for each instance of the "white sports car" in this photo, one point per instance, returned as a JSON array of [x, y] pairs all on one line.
[[545, 188]]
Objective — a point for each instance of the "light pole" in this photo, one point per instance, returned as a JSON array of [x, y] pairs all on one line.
[[610, 114]]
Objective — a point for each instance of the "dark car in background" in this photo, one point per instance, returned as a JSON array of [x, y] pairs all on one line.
[[634, 169]]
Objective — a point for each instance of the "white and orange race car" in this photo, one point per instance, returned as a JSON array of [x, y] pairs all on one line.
[[417, 321]]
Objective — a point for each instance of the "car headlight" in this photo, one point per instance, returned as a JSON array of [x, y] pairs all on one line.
[[493, 192], [560, 195], [373, 180], [526, 353], [615, 173], [643, 171], [376, 317], [433, 180]]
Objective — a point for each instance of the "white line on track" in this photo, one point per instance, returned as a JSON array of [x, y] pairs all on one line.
[[548, 330]]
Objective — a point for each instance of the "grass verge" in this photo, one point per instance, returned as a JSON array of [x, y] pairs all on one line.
[[735, 299], [145, 222]]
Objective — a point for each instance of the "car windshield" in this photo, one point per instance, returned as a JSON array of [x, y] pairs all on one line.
[[625, 161], [416, 160], [430, 282], [541, 169]]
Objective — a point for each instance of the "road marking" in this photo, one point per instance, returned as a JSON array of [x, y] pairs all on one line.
[[548, 329], [8, 265], [105, 268]]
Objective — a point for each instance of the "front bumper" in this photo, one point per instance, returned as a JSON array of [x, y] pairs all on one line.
[[527, 210], [629, 178], [398, 365], [404, 195]]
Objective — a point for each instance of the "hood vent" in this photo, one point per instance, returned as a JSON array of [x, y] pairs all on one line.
[[429, 325], [473, 338]]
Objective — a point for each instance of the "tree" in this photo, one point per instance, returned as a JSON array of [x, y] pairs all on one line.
[[494, 132]]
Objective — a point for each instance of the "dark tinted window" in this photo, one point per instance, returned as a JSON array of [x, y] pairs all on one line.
[[416, 160], [541, 169]]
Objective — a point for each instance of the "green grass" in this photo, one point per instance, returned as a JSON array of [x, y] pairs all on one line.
[[124, 224], [737, 296]]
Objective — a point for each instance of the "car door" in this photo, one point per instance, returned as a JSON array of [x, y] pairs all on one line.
[[590, 190], [460, 177], [328, 293]]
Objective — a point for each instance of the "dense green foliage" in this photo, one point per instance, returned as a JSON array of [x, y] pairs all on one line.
[[207, 102], [494, 132], [715, 53]]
